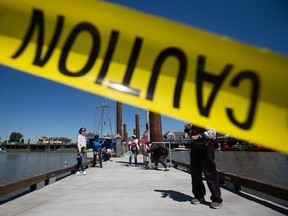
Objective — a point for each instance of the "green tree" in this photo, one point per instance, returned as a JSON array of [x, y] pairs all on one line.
[[15, 137]]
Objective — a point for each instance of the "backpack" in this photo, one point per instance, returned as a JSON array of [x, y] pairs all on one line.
[[133, 146]]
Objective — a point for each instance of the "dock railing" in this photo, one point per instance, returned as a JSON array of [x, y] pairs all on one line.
[[15, 189], [239, 183]]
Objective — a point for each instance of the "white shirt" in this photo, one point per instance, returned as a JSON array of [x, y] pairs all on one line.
[[81, 142], [135, 141]]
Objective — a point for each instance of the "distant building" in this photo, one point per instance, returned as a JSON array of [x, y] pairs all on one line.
[[66, 141], [170, 135], [42, 140], [53, 140]]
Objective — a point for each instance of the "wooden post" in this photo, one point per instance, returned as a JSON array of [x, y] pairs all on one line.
[[124, 133], [119, 118], [137, 127], [155, 126], [134, 131]]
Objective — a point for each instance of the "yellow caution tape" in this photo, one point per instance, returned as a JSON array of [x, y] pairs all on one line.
[[149, 62]]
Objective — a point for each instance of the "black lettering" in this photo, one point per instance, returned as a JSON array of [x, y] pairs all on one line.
[[37, 21], [202, 76], [108, 56], [93, 53], [180, 55], [132, 61], [250, 75], [124, 86]]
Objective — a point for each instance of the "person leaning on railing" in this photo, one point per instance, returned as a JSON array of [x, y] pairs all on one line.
[[202, 159]]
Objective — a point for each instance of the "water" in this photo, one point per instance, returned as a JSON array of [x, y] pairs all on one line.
[[19, 165], [270, 167]]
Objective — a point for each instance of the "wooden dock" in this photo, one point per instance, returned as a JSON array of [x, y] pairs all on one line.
[[120, 190]]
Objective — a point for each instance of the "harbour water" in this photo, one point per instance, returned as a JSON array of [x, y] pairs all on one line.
[[270, 167], [19, 165]]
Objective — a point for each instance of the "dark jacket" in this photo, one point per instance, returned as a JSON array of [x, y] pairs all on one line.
[[158, 149]]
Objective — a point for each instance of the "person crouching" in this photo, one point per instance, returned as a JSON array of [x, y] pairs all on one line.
[[160, 154]]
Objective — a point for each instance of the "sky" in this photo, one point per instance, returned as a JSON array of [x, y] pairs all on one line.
[[35, 107]]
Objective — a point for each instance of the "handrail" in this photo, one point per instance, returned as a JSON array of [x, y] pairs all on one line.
[[33, 181], [238, 181]]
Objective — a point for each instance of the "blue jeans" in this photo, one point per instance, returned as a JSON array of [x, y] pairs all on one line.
[[134, 154], [79, 163]]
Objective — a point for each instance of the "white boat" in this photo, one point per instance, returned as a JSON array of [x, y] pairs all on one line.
[[181, 148]]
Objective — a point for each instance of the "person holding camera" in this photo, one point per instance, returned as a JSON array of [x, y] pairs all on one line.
[[202, 159]]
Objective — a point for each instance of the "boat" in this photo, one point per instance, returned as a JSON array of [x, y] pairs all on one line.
[[226, 147], [181, 148], [257, 148]]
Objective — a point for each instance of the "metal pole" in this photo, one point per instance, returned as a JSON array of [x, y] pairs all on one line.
[[170, 156], [102, 115], [95, 108], [147, 125]]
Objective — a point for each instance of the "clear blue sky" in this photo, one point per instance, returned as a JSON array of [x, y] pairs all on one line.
[[35, 107]]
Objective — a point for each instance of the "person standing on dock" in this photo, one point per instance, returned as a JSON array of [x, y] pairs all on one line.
[[144, 151], [81, 147], [133, 149], [202, 159], [97, 151]]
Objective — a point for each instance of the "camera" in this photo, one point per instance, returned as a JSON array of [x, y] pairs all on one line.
[[188, 129]]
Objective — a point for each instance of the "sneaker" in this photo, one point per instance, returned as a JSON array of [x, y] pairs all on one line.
[[84, 173], [197, 201], [155, 168], [166, 169], [78, 173], [216, 205]]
